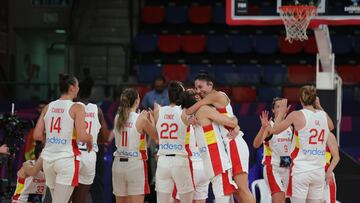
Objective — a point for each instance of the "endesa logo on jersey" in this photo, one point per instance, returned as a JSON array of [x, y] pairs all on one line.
[[56, 140], [128, 153], [168, 146], [315, 152], [202, 149]]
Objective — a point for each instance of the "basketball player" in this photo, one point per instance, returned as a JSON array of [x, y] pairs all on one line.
[[237, 148], [276, 159], [30, 185], [332, 159], [129, 170], [95, 124], [217, 165], [60, 120], [307, 176], [173, 166]]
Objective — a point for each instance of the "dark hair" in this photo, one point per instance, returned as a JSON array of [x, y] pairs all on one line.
[[307, 95], [127, 100], [65, 81], [174, 90], [160, 77], [187, 98], [205, 77], [274, 101], [85, 89], [38, 148]]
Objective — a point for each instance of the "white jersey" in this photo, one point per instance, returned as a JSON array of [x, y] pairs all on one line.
[[310, 143], [129, 142], [92, 125], [195, 152], [30, 189], [212, 150], [60, 132], [172, 131], [278, 145]]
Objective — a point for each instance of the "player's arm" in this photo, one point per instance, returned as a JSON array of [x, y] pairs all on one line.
[[317, 105], [40, 126], [334, 150], [104, 130], [80, 126], [147, 125], [284, 124], [112, 133], [32, 170], [263, 132], [215, 116], [208, 99], [184, 118]]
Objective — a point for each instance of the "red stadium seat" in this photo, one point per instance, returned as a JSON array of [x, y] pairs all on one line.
[[152, 15], [301, 74], [350, 74], [200, 14], [291, 93], [169, 43], [243, 94], [289, 48], [193, 44], [175, 72], [225, 89], [310, 46], [142, 90]]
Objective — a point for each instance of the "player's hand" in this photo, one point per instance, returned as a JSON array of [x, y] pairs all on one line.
[[193, 120], [329, 177], [4, 149], [264, 118], [283, 108], [234, 132], [317, 104]]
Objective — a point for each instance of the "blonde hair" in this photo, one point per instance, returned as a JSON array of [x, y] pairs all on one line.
[[307, 95], [127, 100]]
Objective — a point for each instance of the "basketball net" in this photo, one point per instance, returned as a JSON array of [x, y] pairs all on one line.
[[296, 20]]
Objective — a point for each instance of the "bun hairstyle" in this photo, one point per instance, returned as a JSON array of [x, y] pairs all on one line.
[[65, 81], [127, 100], [175, 89], [187, 98], [307, 95]]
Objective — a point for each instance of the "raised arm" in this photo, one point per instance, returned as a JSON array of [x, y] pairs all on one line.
[[317, 105], [283, 125], [334, 151], [209, 99], [216, 117], [40, 126], [263, 132]]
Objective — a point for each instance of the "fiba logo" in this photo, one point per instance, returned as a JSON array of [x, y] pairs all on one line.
[[242, 5], [354, 8]]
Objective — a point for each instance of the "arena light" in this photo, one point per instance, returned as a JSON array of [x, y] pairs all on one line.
[[60, 31]]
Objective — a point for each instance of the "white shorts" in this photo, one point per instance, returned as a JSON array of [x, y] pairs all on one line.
[[330, 192], [200, 180], [223, 184], [307, 185], [239, 155], [63, 171], [174, 171], [129, 177], [276, 177], [87, 167]]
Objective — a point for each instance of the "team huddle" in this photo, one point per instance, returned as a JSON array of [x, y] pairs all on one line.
[[199, 141]]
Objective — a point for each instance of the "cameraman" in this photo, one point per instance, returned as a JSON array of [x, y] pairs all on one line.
[[4, 150]]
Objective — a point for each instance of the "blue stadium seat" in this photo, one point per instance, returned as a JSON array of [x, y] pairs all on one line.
[[226, 74], [196, 69], [266, 44], [348, 94], [176, 14], [249, 74], [342, 44], [357, 44], [219, 15], [145, 43], [274, 74], [216, 44], [148, 72], [266, 94], [241, 44]]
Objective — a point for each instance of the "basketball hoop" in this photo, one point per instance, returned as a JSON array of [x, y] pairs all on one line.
[[296, 20]]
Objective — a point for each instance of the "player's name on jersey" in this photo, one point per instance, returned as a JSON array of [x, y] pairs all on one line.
[[288, 139], [169, 116], [57, 110], [90, 115], [38, 180]]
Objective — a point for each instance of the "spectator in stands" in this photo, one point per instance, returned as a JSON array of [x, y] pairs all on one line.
[[158, 95], [4, 149]]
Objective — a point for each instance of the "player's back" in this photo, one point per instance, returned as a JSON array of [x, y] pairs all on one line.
[[92, 124]]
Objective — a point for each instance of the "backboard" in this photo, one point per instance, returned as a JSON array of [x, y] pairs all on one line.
[[266, 13]]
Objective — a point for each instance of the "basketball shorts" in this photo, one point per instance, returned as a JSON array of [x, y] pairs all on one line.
[[223, 184], [129, 177], [277, 178], [87, 167], [239, 155], [307, 185], [330, 192]]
